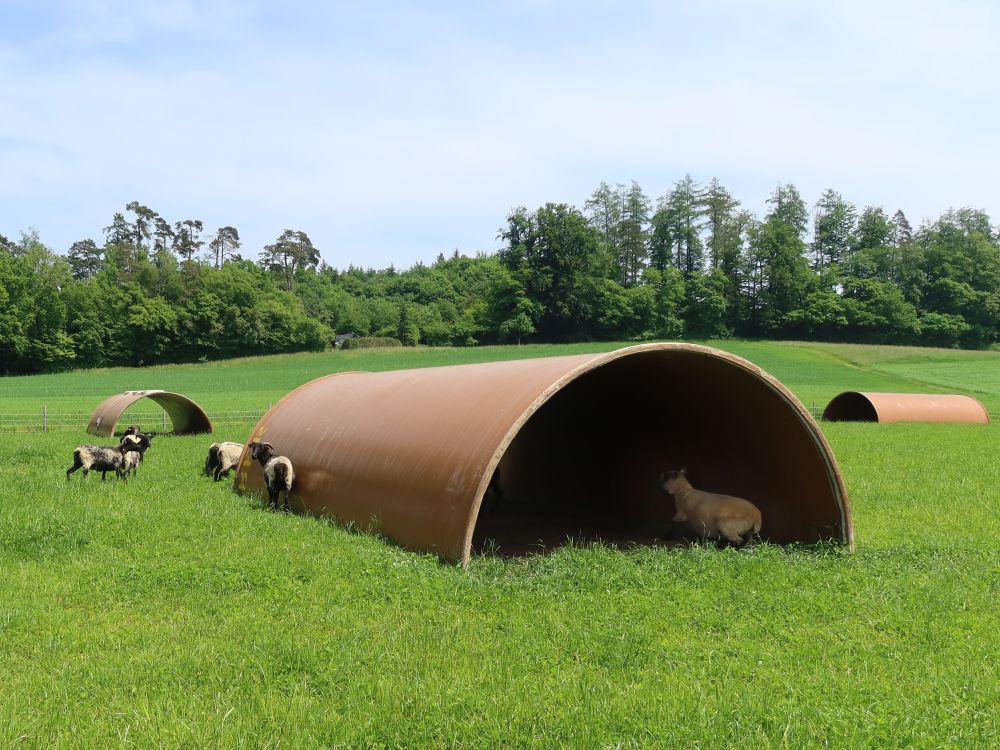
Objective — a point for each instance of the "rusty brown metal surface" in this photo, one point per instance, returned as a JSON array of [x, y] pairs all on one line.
[[856, 406], [185, 415], [577, 444]]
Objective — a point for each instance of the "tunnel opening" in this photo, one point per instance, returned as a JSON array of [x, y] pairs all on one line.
[[185, 416], [585, 465], [850, 406]]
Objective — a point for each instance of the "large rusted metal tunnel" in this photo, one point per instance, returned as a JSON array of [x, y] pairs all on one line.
[[186, 416], [559, 447], [855, 406]]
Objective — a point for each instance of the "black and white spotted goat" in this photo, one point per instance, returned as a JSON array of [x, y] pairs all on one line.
[[278, 473], [138, 440], [104, 458], [222, 458]]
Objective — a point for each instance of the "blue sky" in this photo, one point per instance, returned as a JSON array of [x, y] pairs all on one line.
[[391, 131]]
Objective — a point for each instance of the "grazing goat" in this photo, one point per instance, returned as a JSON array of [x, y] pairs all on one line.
[[222, 458], [709, 514], [278, 473], [100, 458]]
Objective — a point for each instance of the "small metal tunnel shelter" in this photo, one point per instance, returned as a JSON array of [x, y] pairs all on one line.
[[510, 455], [855, 406], [185, 415]]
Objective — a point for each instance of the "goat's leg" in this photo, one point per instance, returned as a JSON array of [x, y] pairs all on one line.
[[77, 463], [285, 507], [272, 498]]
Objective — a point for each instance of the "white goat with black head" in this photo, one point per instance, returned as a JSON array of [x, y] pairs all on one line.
[[222, 458], [278, 473], [137, 441]]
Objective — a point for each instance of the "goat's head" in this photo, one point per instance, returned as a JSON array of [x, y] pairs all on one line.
[[673, 480], [261, 451]]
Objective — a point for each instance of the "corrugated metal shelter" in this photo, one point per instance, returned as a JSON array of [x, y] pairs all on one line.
[[185, 415], [557, 446], [855, 406]]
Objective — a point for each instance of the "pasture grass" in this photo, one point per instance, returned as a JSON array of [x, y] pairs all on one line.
[[169, 612]]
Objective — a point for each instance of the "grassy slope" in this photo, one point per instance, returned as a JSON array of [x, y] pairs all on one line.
[[817, 372], [169, 612]]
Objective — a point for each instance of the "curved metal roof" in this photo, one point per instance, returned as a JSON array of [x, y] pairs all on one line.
[[574, 440], [856, 406], [185, 415]]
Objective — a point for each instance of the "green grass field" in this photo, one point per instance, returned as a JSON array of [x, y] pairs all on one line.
[[169, 612]]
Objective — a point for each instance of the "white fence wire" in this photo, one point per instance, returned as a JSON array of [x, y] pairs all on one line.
[[46, 421]]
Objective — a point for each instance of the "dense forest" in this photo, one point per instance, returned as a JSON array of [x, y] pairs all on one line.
[[691, 264]]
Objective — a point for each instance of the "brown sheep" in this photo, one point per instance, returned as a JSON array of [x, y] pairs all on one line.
[[709, 514]]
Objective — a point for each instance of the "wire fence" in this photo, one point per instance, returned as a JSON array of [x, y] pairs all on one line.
[[46, 421]]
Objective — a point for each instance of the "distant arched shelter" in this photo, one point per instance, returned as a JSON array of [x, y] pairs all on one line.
[[856, 406], [186, 416]]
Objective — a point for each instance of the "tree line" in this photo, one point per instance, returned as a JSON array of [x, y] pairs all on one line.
[[694, 263]]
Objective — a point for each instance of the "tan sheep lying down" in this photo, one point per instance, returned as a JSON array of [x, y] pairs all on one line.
[[709, 514]]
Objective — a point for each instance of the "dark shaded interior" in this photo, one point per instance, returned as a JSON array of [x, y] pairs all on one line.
[[850, 406], [585, 466]]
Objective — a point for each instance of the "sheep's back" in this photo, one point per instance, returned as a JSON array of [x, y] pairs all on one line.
[[229, 454], [270, 471], [97, 456]]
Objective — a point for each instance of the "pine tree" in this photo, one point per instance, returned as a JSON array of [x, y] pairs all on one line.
[[874, 229], [224, 243], [720, 208], [902, 231], [292, 251], [187, 237], [833, 234], [676, 230], [120, 232], [145, 221], [787, 206], [633, 237], [85, 259]]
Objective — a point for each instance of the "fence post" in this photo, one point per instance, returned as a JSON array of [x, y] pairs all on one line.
[[163, 420], [45, 418]]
